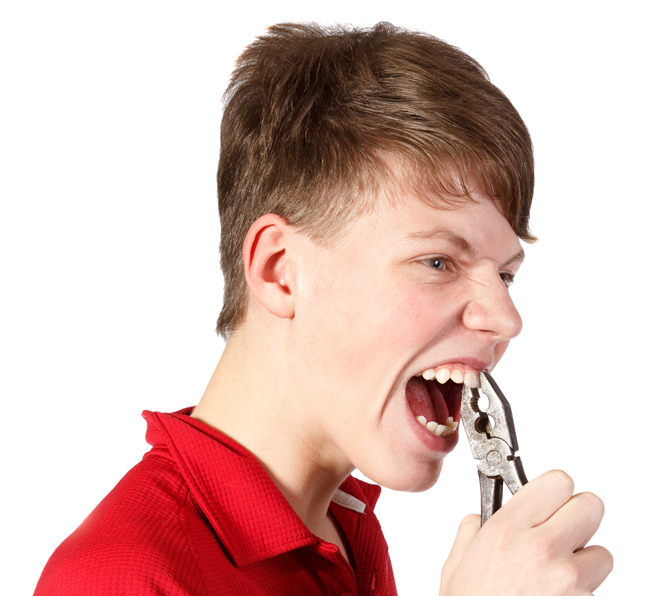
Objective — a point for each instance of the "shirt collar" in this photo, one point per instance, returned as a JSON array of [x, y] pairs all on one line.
[[251, 516]]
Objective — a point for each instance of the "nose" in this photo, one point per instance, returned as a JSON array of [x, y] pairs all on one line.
[[491, 310]]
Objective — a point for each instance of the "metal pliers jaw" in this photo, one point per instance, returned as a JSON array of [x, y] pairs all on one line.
[[493, 441]]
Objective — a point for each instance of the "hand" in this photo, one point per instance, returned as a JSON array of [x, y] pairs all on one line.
[[534, 545]]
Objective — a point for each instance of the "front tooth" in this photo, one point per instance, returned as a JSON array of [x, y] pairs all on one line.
[[439, 430], [422, 420], [429, 374], [431, 426], [457, 376], [471, 379], [442, 376], [453, 426]]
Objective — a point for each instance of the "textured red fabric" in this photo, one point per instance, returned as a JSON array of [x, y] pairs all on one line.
[[199, 515]]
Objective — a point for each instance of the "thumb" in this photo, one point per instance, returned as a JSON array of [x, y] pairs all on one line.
[[469, 527]]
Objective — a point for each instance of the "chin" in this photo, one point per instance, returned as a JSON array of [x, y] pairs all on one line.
[[413, 479]]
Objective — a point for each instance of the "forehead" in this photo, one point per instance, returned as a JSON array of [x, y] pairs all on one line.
[[476, 227]]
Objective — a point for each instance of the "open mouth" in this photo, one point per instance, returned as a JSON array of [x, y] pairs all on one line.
[[434, 397]]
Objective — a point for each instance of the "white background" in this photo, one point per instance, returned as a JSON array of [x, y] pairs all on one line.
[[110, 275]]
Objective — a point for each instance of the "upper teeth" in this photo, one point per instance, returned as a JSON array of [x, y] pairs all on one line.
[[443, 373]]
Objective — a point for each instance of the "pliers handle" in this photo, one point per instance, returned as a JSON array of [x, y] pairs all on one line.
[[493, 441]]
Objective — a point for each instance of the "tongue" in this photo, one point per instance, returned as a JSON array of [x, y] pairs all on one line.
[[425, 399]]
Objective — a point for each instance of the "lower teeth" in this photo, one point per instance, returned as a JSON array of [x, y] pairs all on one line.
[[440, 430]]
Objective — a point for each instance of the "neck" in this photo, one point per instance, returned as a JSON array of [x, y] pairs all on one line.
[[258, 399]]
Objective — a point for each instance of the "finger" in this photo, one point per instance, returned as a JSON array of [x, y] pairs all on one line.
[[469, 527], [593, 564], [538, 500], [575, 524]]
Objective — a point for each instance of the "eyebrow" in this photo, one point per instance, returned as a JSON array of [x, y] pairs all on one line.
[[518, 257], [461, 243]]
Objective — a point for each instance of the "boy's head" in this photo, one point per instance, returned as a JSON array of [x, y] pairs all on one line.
[[319, 123]]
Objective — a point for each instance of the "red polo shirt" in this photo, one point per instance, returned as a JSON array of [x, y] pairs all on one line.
[[200, 516]]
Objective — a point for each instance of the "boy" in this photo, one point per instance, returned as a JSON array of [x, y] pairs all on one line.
[[374, 187]]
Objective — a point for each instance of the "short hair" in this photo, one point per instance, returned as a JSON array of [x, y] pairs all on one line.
[[312, 113]]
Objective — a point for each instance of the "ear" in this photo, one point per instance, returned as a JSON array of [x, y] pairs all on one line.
[[266, 266]]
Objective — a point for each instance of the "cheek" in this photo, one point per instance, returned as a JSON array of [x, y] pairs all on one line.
[[408, 320], [361, 319], [340, 318], [428, 310]]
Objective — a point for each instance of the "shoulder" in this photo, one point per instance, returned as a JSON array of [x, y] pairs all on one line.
[[134, 542]]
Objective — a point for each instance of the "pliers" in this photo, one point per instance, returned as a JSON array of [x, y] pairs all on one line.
[[493, 441]]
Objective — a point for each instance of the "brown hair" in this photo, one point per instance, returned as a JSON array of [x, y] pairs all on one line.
[[312, 113]]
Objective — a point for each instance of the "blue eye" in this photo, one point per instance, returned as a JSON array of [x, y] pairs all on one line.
[[438, 263]]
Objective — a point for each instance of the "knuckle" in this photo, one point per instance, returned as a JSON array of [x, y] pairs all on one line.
[[591, 507], [563, 479], [594, 502]]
